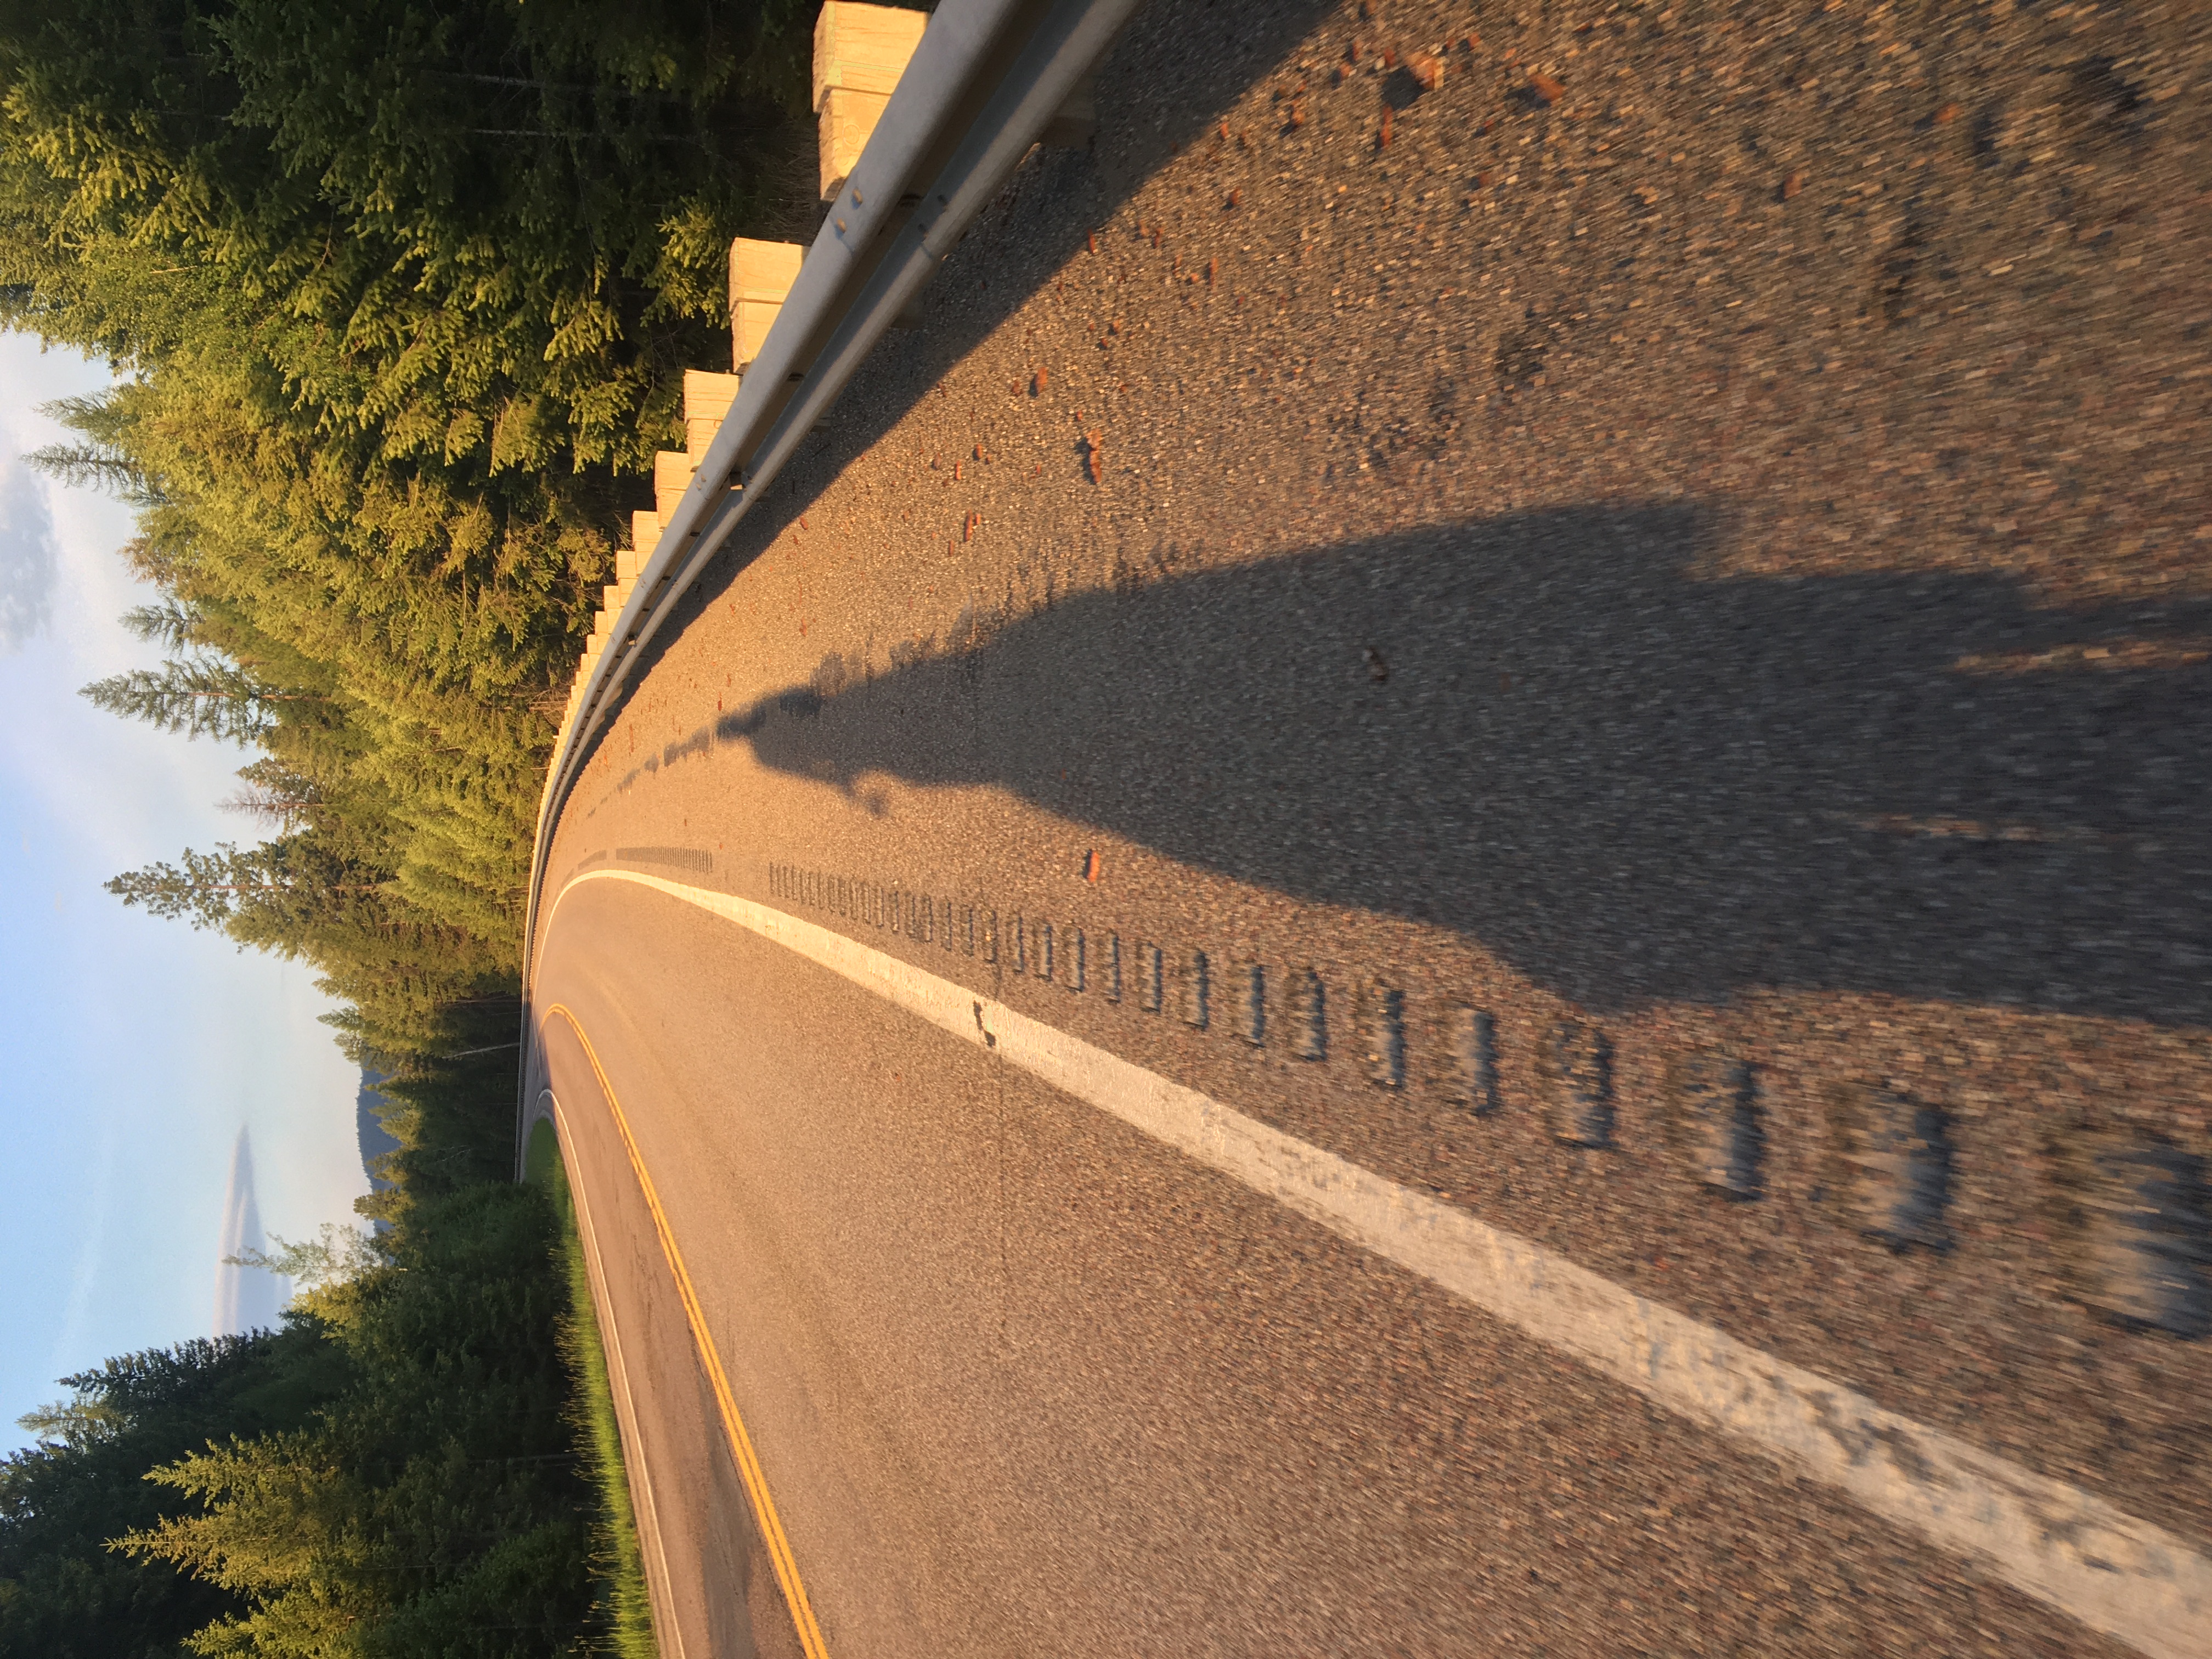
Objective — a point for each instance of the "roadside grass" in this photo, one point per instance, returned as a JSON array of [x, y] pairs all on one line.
[[620, 1563]]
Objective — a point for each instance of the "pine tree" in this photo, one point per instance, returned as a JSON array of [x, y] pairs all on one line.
[[199, 697], [170, 623], [64, 1594], [214, 890], [432, 1508], [399, 292]]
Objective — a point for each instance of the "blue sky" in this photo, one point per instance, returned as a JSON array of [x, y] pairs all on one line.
[[134, 1048]]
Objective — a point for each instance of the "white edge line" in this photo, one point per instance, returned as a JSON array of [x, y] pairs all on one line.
[[2113, 1572], [635, 1459]]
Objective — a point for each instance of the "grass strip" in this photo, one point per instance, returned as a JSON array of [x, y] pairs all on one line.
[[617, 1557]]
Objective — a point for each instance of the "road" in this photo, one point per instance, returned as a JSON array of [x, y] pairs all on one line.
[[1646, 638]]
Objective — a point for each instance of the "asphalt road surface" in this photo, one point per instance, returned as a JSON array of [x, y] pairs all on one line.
[[1606, 658]]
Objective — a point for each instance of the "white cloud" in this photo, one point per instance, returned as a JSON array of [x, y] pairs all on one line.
[[92, 1245], [27, 564]]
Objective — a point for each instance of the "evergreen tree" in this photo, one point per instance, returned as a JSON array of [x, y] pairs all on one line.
[[169, 623], [211, 890], [403, 294], [435, 1507], [482, 232], [199, 697], [64, 1593]]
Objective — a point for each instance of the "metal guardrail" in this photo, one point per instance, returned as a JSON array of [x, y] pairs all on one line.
[[983, 85]]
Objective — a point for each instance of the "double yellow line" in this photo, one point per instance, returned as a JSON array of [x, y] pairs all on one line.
[[733, 1426]]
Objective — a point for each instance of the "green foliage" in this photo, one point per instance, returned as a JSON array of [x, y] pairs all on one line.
[[621, 1563], [63, 1593], [197, 697], [403, 293], [320, 1268], [434, 1506], [275, 886], [168, 623], [421, 1463], [451, 1104], [470, 233]]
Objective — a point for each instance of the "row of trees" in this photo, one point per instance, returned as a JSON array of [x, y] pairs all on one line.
[[397, 293], [400, 293], [399, 1471]]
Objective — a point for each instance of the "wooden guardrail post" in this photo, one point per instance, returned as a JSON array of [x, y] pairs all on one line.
[[859, 52], [644, 531], [761, 276], [707, 399]]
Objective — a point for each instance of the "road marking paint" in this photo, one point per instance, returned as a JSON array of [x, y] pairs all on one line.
[[626, 1403], [733, 1426], [2067, 1547]]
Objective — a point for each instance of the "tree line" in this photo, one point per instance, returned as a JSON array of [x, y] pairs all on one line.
[[398, 295], [403, 1469]]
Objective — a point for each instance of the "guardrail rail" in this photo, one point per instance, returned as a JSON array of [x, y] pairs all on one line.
[[987, 80]]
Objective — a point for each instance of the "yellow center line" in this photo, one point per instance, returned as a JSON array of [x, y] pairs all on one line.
[[741, 1443]]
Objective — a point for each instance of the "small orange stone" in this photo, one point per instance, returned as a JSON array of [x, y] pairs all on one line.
[[1946, 115], [1427, 71], [1544, 87], [1791, 185]]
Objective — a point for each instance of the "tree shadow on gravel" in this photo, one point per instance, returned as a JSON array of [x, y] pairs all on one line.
[[1545, 733]]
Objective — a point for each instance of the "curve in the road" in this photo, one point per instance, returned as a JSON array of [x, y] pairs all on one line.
[[2110, 1570], [733, 1423], [647, 1505]]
